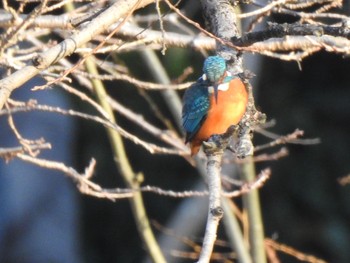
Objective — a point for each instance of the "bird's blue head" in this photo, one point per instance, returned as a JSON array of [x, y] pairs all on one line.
[[214, 68]]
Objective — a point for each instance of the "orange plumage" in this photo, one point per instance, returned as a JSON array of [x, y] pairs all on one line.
[[226, 111]]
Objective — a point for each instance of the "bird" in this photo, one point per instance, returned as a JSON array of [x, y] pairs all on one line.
[[213, 103]]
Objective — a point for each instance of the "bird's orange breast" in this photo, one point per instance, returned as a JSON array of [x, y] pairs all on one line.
[[228, 110]]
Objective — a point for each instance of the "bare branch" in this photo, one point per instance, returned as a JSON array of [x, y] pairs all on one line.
[[43, 21], [152, 148], [282, 30], [195, 41], [12, 33], [165, 136], [86, 186], [292, 252], [68, 46], [283, 152], [290, 138], [258, 182], [267, 8], [10, 153], [221, 41], [136, 82]]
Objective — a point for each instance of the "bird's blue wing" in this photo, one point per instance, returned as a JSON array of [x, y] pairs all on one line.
[[195, 108]]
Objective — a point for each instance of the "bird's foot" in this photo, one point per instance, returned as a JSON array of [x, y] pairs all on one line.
[[219, 142]]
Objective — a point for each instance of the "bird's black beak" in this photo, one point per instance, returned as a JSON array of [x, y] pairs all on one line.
[[216, 91]]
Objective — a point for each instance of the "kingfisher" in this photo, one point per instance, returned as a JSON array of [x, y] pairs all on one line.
[[213, 103]]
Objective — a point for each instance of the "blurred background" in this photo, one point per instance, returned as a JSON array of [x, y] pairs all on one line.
[[303, 205]]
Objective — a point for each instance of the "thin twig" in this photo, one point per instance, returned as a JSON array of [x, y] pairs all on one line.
[[85, 97], [26, 144], [11, 34], [43, 21], [102, 43], [263, 10], [136, 82], [152, 148], [11, 152], [167, 136], [258, 182], [88, 187], [292, 138], [195, 24], [293, 252]]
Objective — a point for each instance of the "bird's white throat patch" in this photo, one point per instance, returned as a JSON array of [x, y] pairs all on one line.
[[222, 87]]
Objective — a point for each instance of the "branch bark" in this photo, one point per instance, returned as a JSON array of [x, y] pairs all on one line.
[[282, 30], [215, 212], [221, 20]]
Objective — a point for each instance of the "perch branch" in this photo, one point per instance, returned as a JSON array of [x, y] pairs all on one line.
[[214, 149]]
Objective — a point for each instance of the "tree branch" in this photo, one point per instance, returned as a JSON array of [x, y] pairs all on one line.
[[252, 204], [152, 148], [68, 46], [215, 212], [9, 153], [282, 30], [221, 19]]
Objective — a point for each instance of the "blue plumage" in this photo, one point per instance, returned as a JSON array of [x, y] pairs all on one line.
[[195, 107], [214, 68]]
